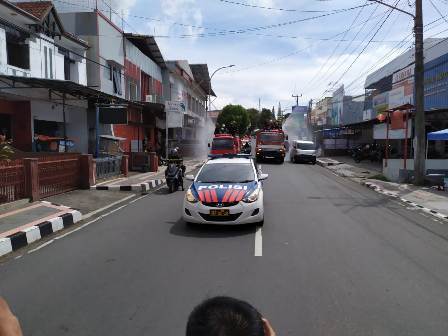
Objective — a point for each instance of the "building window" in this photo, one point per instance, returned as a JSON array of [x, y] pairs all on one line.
[[46, 61], [51, 62], [132, 91], [17, 50], [115, 77]]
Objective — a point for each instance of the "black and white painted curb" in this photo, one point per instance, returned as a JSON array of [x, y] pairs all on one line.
[[142, 187], [326, 163], [410, 203], [36, 232]]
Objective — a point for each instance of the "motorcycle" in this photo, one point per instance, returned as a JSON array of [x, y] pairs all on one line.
[[361, 153], [175, 171]]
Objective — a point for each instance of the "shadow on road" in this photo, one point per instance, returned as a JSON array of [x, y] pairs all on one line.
[[180, 228]]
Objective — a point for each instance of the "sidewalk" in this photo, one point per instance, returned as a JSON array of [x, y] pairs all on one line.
[[22, 223], [345, 166], [427, 199], [143, 181]]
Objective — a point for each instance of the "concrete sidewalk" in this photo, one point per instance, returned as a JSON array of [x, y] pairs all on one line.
[[143, 182], [427, 199], [23, 223], [345, 166]]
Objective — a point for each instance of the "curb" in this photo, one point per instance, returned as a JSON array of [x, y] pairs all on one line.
[[390, 194], [29, 235], [143, 187], [326, 163]]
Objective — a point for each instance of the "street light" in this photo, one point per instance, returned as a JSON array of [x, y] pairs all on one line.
[[210, 86], [420, 131]]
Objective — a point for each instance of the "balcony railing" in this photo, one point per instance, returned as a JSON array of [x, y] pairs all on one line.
[[15, 71]]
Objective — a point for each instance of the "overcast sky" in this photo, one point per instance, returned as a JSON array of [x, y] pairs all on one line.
[[284, 56]]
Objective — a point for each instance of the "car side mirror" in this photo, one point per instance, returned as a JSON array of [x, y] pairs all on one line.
[[263, 177], [189, 177]]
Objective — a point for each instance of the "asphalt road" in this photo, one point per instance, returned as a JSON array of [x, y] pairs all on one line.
[[338, 259]]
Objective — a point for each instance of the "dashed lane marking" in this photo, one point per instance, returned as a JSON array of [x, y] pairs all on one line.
[[259, 242]]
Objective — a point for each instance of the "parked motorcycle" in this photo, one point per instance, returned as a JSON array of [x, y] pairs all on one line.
[[361, 153]]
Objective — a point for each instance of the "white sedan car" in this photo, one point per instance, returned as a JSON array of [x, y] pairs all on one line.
[[225, 191]]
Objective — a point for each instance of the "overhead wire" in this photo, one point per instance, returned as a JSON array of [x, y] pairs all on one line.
[[438, 11], [272, 8], [365, 47], [322, 67]]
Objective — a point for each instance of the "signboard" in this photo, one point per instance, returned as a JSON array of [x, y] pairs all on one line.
[[338, 106], [175, 113], [381, 102], [403, 74], [113, 114], [380, 132]]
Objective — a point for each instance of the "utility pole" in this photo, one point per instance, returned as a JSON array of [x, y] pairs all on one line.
[[259, 105], [419, 73], [297, 98], [420, 130]]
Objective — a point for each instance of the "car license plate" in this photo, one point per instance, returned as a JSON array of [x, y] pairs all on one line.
[[220, 213]]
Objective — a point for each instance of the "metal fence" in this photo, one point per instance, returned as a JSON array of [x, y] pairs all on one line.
[[12, 180], [108, 166], [57, 176]]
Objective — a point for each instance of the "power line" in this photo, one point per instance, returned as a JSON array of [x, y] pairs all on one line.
[[438, 11], [332, 69], [273, 8], [337, 46], [293, 53], [366, 46]]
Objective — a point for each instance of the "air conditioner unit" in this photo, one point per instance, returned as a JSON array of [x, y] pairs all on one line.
[[150, 98]]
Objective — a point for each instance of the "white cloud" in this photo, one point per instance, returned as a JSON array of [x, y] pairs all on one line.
[[185, 12]]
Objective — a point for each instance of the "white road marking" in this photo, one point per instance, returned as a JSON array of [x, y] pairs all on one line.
[[259, 242], [111, 181], [41, 246], [90, 214]]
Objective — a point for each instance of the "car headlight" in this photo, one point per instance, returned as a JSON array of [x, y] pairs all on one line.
[[253, 197], [190, 197]]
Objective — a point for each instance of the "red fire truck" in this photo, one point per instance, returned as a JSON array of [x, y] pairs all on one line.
[[271, 145], [224, 144]]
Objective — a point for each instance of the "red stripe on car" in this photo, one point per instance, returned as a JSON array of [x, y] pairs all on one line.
[[225, 199], [207, 196], [234, 195], [214, 196], [240, 196]]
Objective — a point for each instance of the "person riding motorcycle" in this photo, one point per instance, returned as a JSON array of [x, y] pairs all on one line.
[[175, 170]]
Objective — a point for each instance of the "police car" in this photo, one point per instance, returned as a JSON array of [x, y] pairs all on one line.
[[227, 190]]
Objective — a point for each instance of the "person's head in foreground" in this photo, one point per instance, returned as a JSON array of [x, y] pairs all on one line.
[[225, 316]]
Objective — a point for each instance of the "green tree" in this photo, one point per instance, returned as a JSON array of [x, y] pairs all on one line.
[[234, 119], [265, 118], [254, 117]]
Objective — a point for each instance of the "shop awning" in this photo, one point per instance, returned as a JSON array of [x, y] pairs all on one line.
[[69, 88], [439, 135]]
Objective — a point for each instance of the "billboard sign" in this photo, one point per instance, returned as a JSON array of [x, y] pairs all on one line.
[[381, 102], [113, 114], [175, 113]]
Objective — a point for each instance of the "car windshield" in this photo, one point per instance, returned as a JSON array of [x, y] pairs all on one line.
[[306, 146], [265, 137], [226, 173], [222, 143]]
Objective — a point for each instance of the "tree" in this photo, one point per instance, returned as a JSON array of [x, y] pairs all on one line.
[[265, 118], [234, 119], [254, 118]]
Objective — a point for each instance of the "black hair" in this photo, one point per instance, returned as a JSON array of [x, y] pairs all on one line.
[[225, 316]]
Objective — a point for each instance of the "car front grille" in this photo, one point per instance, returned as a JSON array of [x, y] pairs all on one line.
[[229, 218], [220, 205]]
